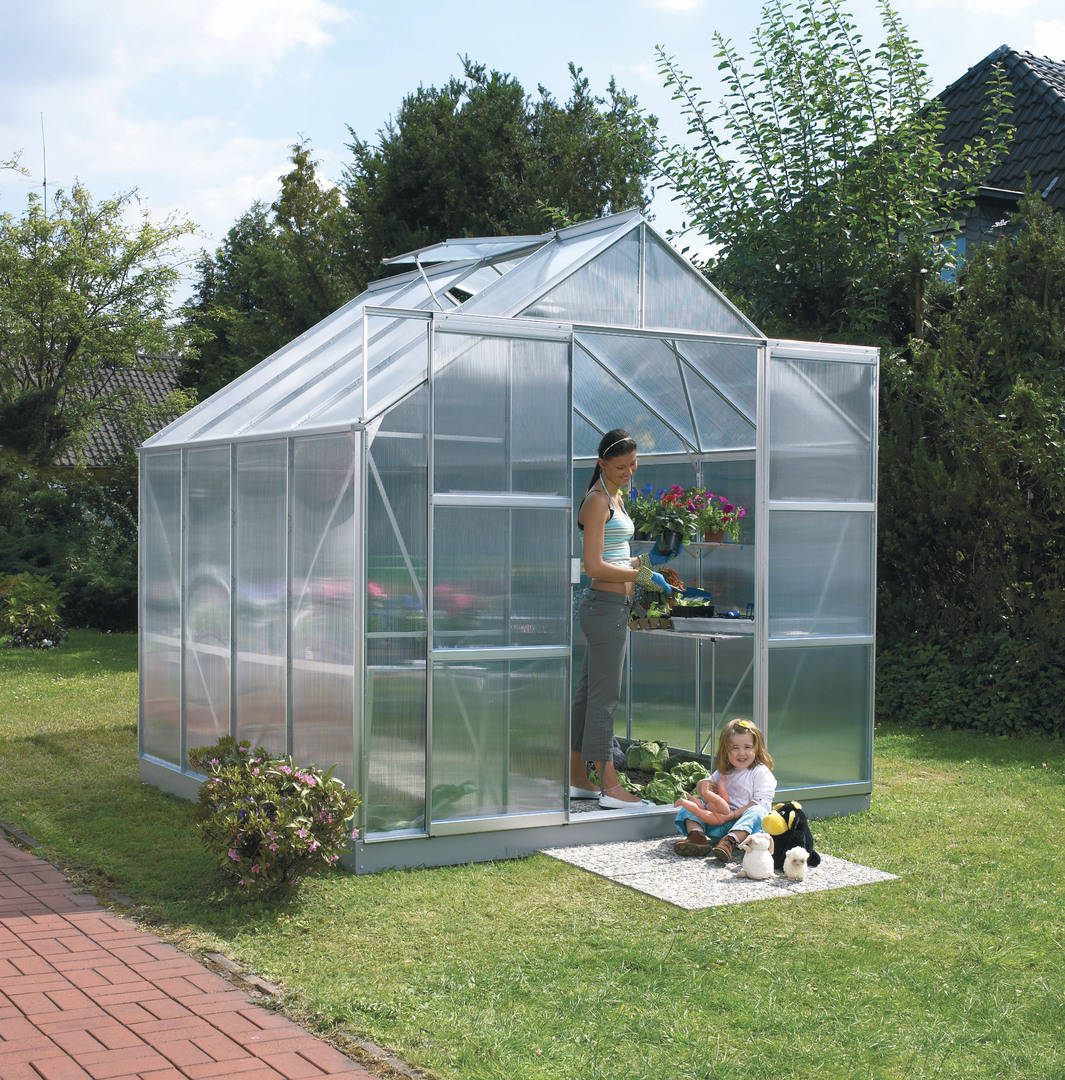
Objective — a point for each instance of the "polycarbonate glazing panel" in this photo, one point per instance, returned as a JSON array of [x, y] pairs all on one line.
[[677, 295], [733, 479], [586, 438], [397, 355], [396, 557], [725, 396], [473, 247], [727, 674], [297, 364], [322, 606], [160, 600], [820, 715], [823, 430], [498, 737], [727, 573], [399, 360], [820, 573], [394, 795], [649, 370], [705, 415], [534, 275], [501, 577], [604, 397], [663, 689], [207, 595], [260, 588], [502, 415], [605, 290], [397, 523]]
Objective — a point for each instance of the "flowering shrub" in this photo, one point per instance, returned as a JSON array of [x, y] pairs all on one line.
[[267, 821], [30, 617]]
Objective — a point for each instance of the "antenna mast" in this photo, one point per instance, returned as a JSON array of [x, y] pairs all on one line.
[[44, 166]]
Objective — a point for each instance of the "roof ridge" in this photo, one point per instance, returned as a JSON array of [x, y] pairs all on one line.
[[994, 57]]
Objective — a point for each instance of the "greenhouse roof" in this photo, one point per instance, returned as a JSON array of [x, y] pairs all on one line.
[[612, 272]]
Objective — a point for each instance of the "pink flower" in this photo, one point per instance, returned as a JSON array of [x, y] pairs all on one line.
[[233, 855]]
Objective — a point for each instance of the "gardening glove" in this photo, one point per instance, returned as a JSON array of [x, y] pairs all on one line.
[[659, 557], [650, 579]]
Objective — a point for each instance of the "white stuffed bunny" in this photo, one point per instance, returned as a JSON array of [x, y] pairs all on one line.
[[758, 857], [795, 863]]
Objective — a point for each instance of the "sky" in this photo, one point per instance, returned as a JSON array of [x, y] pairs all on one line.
[[195, 104]]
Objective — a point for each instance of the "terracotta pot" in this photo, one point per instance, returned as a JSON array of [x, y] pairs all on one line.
[[715, 537]]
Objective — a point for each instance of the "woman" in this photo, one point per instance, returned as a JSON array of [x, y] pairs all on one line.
[[604, 618]]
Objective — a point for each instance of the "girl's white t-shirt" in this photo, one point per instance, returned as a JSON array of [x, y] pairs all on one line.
[[744, 786]]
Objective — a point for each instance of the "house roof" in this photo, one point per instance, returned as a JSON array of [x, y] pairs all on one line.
[[153, 376], [1038, 115]]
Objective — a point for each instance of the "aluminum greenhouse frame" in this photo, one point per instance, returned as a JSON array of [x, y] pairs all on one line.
[[363, 550]]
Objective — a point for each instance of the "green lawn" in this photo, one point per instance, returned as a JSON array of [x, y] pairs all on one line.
[[535, 969]]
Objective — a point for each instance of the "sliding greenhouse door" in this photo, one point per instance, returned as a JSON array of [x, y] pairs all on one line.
[[499, 596]]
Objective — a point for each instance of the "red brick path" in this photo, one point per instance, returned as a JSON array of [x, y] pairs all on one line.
[[85, 995]]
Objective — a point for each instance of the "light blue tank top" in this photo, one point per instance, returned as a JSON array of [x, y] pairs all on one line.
[[617, 532]]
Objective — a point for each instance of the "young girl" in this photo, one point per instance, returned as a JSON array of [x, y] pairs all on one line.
[[743, 769]]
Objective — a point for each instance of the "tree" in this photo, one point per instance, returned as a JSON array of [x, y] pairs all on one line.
[[279, 272], [479, 157], [971, 606], [819, 178], [83, 293], [475, 157]]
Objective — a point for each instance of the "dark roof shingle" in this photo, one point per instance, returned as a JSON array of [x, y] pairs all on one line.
[[1038, 115], [156, 377]]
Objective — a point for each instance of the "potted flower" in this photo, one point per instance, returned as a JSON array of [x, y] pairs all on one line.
[[715, 516], [665, 515]]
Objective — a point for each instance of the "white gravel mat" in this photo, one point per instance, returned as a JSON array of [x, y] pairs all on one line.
[[652, 867]]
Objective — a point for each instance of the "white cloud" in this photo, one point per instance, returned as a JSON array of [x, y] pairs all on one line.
[[211, 36], [1048, 39]]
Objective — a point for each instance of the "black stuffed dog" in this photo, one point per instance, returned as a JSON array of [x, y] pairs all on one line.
[[786, 823]]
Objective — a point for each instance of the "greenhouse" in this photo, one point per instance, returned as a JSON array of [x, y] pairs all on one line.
[[363, 551]]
